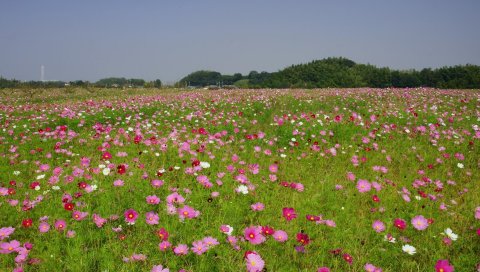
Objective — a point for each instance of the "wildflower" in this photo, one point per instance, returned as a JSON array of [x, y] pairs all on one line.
[[312, 217], [226, 229], [151, 218], [162, 234], [60, 225], [289, 213], [242, 189], [98, 220], [378, 226], [210, 241], [118, 183], [257, 206], [254, 235], [266, 230], [6, 232], [348, 258], [443, 266], [419, 222], [280, 236], [130, 216], [153, 200], [390, 238], [450, 234], [409, 249], [255, 263], [199, 247], [159, 268], [363, 186], [180, 249], [7, 248], [323, 269], [79, 216], [303, 238], [400, 223], [164, 245], [187, 212]]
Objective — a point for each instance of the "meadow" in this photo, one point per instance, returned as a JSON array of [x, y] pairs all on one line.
[[240, 180]]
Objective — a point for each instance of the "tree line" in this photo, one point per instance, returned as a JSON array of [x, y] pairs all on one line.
[[111, 82], [342, 72]]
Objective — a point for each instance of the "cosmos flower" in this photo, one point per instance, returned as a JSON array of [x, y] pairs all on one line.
[[443, 266], [409, 249], [280, 236], [130, 216], [378, 226], [419, 222], [180, 249], [254, 261], [289, 214], [151, 218], [6, 232], [363, 186], [254, 235]]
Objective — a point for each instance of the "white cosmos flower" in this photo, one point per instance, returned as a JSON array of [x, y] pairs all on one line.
[[16, 173], [242, 189], [55, 188], [460, 165], [409, 249], [283, 155], [204, 165], [40, 176], [451, 235], [106, 171]]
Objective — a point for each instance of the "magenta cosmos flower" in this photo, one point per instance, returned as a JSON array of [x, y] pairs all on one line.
[[255, 263], [130, 216], [254, 235], [419, 222], [400, 223], [289, 213], [443, 266], [60, 225]]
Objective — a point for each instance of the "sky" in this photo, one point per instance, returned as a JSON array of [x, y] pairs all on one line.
[[90, 40]]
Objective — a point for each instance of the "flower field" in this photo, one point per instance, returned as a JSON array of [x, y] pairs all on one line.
[[240, 180]]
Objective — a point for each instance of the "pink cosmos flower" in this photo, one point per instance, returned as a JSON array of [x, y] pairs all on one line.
[[60, 225], [130, 216], [443, 266], [255, 263], [227, 229], [164, 245], [419, 222], [199, 247], [156, 183], [477, 213], [98, 220], [6, 232], [153, 199], [378, 226], [289, 213], [151, 218], [175, 198], [254, 235], [273, 168], [44, 227], [159, 268], [7, 248], [118, 183], [280, 235], [363, 186], [78, 215], [258, 206], [210, 241], [180, 249], [323, 269], [187, 212]]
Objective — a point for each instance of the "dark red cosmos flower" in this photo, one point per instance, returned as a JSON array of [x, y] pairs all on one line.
[[26, 223], [106, 155], [375, 198], [162, 234], [121, 169], [12, 183], [266, 230], [347, 258], [336, 251], [11, 191], [137, 139], [400, 223], [68, 206], [202, 131], [82, 185], [303, 238], [195, 163], [312, 217]]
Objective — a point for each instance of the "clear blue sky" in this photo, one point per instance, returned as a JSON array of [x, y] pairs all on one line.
[[90, 40]]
